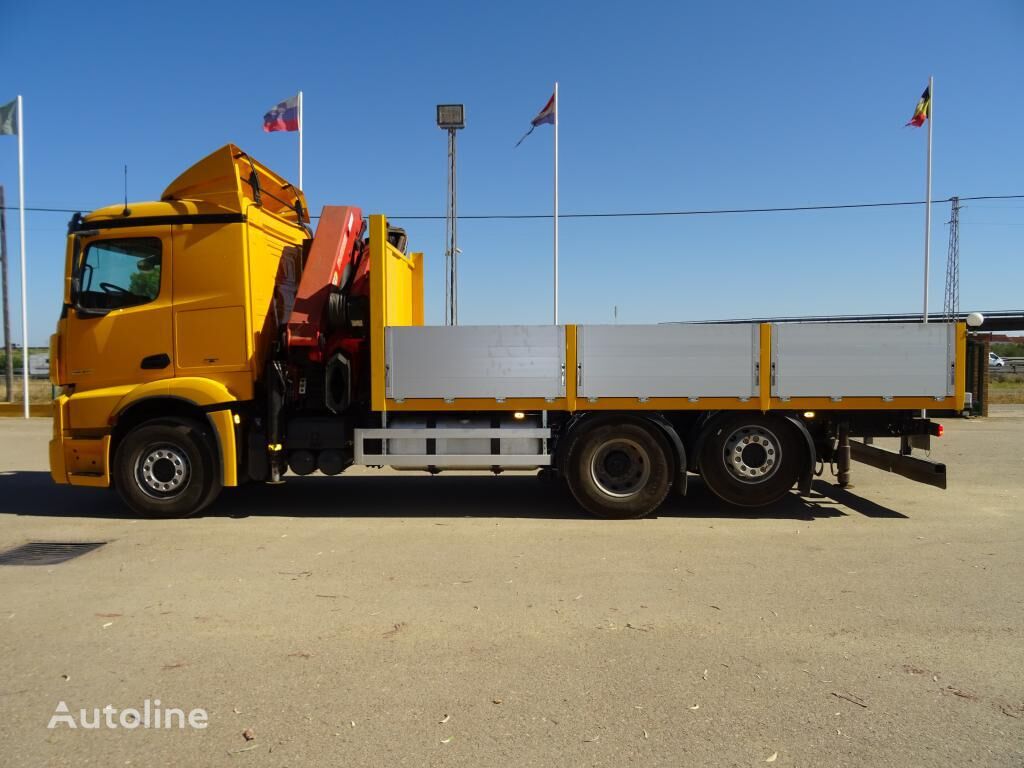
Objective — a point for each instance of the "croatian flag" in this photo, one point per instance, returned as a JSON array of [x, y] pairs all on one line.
[[283, 117], [545, 117]]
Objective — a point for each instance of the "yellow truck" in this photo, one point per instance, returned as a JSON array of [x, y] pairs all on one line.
[[210, 338]]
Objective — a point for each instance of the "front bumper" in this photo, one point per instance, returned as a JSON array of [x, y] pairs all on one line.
[[77, 460]]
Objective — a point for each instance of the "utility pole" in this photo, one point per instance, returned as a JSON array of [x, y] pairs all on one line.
[[951, 304], [9, 363]]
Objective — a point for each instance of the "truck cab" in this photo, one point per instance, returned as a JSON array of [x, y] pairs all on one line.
[[169, 310]]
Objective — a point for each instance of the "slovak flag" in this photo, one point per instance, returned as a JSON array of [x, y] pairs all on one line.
[[545, 117], [283, 117]]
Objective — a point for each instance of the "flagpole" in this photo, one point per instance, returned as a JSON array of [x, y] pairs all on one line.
[[556, 203], [21, 227], [300, 140], [928, 195]]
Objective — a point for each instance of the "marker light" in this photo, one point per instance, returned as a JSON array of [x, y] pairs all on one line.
[[808, 414], [519, 415]]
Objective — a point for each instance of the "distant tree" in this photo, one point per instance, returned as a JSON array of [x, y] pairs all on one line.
[[145, 284], [15, 356]]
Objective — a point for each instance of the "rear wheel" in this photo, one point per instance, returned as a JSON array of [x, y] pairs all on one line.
[[751, 460], [167, 468], [619, 470]]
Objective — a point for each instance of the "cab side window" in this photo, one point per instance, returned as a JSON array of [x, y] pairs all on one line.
[[119, 273]]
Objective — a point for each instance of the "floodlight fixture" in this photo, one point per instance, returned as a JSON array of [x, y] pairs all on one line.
[[451, 117]]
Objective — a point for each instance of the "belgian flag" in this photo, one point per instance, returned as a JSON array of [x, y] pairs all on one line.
[[923, 110]]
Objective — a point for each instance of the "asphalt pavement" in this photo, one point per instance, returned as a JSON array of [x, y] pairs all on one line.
[[384, 619]]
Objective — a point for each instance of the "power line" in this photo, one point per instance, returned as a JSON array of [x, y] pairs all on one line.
[[711, 211], [44, 210], [629, 214]]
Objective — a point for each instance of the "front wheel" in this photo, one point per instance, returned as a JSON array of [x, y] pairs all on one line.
[[751, 460], [167, 468]]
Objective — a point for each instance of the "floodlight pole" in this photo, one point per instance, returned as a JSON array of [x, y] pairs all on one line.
[[451, 256], [451, 117]]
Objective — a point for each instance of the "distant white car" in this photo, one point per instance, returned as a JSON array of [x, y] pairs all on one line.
[[995, 361]]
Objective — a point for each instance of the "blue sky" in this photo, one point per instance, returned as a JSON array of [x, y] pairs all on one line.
[[664, 106]]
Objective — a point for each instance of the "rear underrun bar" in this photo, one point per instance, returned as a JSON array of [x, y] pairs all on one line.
[[920, 470]]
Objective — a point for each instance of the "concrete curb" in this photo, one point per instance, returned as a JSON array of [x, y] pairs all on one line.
[[15, 410]]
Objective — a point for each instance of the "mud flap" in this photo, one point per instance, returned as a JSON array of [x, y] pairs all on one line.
[[807, 473]]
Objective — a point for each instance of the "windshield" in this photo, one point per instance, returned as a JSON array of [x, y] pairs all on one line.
[[120, 273]]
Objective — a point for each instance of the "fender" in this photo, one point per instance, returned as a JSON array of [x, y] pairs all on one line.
[[193, 389], [807, 474], [210, 396], [670, 432], [698, 434], [582, 420]]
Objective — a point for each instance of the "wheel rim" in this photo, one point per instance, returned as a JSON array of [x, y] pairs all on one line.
[[620, 468], [752, 454], [162, 471]]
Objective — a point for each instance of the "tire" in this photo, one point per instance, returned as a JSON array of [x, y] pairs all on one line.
[[618, 470], [167, 468], [751, 460]]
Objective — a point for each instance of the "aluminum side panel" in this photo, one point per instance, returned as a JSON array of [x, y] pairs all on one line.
[[668, 360], [486, 361], [863, 359]]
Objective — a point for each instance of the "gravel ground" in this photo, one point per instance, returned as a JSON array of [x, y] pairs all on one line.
[[381, 619]]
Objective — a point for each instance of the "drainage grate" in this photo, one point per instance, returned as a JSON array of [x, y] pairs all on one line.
[[47, 552]]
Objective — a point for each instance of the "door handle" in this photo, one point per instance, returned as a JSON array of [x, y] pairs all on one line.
[[155, 362]]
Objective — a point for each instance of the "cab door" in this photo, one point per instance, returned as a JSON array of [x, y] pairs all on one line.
[[119, 321]]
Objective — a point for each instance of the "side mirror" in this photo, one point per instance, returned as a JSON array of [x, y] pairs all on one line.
[[76, 259]]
